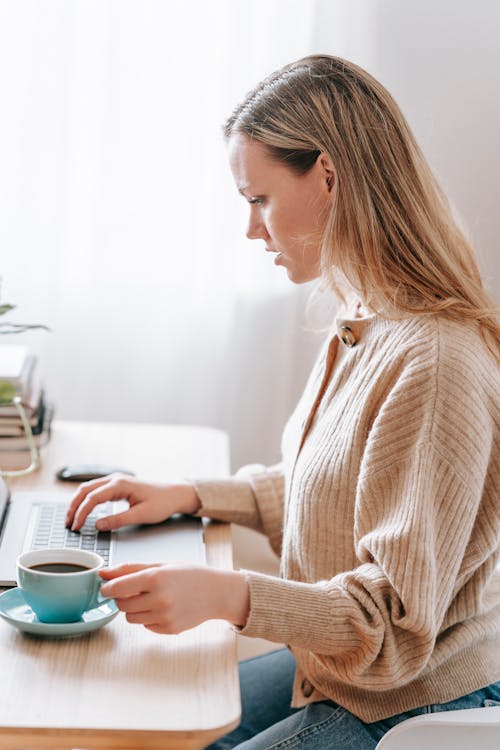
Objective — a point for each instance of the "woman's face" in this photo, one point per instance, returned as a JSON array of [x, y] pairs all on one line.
[[288, 211]]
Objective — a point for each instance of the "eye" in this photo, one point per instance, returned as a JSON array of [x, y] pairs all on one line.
[[256, 201]]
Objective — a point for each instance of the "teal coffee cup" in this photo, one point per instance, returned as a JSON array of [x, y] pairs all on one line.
[[60, 584]]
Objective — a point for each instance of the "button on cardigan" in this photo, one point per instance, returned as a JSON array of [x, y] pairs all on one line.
[[384, 511]]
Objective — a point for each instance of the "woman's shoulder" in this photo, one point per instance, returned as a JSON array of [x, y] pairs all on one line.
[[439, 341], [442, 386], [429, 351], [446, 360], [454, 366]]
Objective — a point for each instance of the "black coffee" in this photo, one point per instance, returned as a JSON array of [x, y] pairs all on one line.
[[59, 567]]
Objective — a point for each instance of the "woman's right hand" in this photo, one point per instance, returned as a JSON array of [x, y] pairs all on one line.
[[148, 503]]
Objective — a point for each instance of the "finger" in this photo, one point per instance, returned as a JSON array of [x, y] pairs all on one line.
[[125, 569], [80, 495], [103, 494], [160, 629], [131, 584], [117, 520], [142, 618], [137, 604]]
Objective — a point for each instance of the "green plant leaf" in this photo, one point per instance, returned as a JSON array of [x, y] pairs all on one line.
[[6, 328], [9, 328], [7, 392]]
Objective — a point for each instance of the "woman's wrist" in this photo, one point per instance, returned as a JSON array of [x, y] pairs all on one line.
[[188, 500], [232, 597]]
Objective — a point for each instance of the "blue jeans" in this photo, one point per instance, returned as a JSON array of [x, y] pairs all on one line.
[[268, 722]]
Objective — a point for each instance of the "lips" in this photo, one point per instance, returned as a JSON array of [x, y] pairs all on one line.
[[279, 256]]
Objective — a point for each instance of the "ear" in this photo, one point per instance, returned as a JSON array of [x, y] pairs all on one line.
[[327, 170]]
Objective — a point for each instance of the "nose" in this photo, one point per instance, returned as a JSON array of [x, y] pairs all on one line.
[[256, 229]]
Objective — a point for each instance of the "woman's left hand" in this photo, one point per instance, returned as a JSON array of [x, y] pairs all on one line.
[[170, 598]]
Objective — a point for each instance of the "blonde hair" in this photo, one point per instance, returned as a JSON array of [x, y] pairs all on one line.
[[391, 232]]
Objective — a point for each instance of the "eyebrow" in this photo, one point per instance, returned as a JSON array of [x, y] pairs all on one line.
[[242, 189]]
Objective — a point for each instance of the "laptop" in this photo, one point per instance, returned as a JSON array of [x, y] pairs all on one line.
[[32, 520]]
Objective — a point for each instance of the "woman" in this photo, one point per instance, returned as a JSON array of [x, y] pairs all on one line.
[[384, 509]]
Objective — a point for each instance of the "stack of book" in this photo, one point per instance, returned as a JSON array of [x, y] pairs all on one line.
[[19, 367]]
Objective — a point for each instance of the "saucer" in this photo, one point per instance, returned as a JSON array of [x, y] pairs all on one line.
[[15, 611]]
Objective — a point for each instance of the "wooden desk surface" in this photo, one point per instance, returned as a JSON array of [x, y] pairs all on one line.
[[124, 687]]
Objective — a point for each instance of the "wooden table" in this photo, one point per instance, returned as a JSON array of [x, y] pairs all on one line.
[[123, 687]]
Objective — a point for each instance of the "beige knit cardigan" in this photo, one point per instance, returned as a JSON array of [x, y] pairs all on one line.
[[385, 513]]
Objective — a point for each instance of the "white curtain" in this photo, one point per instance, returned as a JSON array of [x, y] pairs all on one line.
[[120, 226]]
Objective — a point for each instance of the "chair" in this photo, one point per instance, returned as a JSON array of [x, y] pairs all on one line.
[[466, 729]]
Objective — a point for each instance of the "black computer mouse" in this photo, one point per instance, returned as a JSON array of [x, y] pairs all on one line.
[[86, 472]]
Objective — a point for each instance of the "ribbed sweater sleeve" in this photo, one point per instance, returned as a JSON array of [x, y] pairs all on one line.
[[253, 497], [376, 626]]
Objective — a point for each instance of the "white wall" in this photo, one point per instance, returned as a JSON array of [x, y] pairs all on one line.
[[441, 61]]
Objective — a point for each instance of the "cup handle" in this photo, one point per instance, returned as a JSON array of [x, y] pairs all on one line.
[[98, 599], [102, 599]]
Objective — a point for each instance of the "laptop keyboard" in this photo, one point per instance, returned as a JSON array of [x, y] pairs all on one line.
[[50, 530]]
